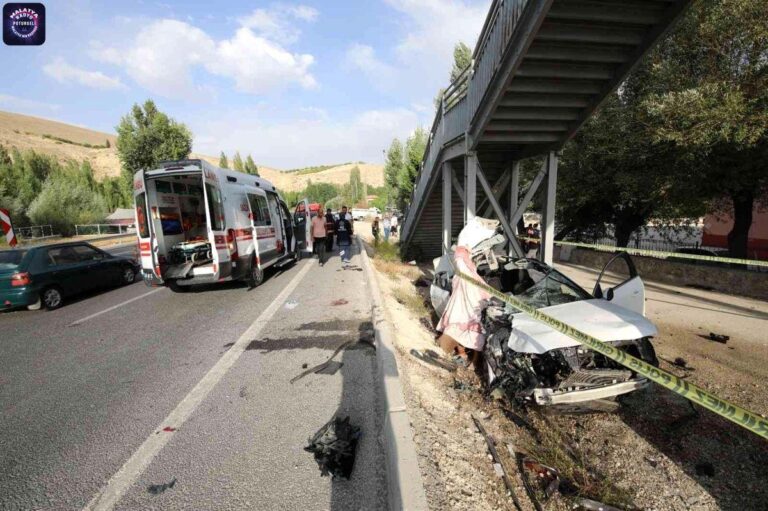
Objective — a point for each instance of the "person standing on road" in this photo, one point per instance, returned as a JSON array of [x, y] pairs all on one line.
[[386, 224], [318, 236], [344, 236], [375, 231], [330, 229], [393, 226]]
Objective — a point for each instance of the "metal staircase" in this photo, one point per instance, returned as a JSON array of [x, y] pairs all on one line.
[[540, 69]]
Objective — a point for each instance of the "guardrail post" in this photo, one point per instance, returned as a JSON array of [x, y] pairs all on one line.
[[447, 209], [548, 227]]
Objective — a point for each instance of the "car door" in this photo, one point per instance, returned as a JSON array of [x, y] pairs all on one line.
[[65, 270], [629, 292], [255, 215], [102, 269], [302, 227]]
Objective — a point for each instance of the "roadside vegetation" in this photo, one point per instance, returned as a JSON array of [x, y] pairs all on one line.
[[81, 144]]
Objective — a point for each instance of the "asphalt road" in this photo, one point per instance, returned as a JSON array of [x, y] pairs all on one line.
[[87, 390]]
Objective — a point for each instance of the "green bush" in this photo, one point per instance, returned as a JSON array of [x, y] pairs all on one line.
[[64, 202]]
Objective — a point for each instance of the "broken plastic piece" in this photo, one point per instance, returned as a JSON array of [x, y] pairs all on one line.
[[719, 337], [157, 489], [334, 447], [291, 304], [592, 505], [340, 301], [169, 429], [497, 461]]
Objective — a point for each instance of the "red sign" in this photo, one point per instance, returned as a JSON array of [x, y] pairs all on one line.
[[7, 227]]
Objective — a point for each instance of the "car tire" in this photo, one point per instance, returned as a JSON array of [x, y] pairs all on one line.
[[35, 306], [52, 298], [127, 276], [176, 288], [255, 275]]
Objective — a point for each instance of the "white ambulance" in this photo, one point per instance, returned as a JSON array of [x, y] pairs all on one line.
[[200, 224]]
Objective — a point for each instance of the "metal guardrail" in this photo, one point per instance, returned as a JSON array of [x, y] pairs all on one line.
[[463, 97], [34, 231], [99, 229]]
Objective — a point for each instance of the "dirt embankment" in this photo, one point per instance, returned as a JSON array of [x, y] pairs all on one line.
[[657, 452], [68, 142]]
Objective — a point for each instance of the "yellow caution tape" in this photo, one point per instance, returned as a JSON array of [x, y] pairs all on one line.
[[656, 253], [734, 413]]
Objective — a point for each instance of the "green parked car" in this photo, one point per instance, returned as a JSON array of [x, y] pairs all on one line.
[[48, 274]]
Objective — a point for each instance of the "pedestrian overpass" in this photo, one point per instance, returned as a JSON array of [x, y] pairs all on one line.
[[539, 70]]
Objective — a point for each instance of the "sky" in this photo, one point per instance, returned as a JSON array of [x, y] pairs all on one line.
[[294, 84]]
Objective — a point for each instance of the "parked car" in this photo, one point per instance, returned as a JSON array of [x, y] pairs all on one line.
[[698, 251], [46, 275], [528, 361]]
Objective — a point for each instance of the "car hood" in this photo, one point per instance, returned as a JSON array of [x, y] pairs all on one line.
[[597, 317]]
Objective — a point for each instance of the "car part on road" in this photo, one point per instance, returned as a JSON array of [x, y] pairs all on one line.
[[718, 338], [497, 462], [433, 359], [157, 489], [592, 505], [320, 368], [334, 446]]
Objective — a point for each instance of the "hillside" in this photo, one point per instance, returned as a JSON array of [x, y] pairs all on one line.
[[27, 132]]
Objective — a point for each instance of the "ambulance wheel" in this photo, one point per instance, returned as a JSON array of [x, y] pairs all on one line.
[[255, 275], [176, 288]]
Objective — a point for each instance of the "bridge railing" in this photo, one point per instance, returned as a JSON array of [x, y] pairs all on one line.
[[462, 98]]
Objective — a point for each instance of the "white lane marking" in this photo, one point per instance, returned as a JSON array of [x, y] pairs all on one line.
[[110, 494], [110, 309]]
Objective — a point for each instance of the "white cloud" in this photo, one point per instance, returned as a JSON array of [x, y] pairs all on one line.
[[164, 55], [63, 72], [320, 139], [363, 58], [277, 22], [423, 53]]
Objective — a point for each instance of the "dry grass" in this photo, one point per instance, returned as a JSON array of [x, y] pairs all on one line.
[[412, 301]]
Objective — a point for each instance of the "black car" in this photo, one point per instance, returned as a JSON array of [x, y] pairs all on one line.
[[47, 274]]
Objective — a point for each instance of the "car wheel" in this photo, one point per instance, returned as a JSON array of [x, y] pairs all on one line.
[[52, 298], [176, 288], [255, 275], [128, 275], [35, 306]]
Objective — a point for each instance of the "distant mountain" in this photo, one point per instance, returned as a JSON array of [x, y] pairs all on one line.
[[68, 142]]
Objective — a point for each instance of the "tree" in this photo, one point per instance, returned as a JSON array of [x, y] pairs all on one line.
[[714, 105], [355, 187], [223, 163], [462, 59], [237, 162], [63, 203], [415, 146], [250, 166], [146, 137], [393, 166]]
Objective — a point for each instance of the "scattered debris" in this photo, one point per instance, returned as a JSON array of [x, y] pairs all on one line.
[[323, 368], [592, 505], [432, 358], [244, 392], [521, 459], [331, 368], [705, 469], [498, 465], [680, 362], [462, 386], [428, 325], [421, 282], [718, 337], [157, 489], [228, 345], [340, 301], [169, 429], [334, 447], [291, 304], [304, 365]]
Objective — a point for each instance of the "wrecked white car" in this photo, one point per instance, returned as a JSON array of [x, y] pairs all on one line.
[[528, 361]]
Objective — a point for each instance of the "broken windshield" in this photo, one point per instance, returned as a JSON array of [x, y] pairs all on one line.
[[551, 287]]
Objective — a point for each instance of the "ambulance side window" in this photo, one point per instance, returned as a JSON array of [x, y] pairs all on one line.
[[215, 208], [266, 218], [274, 207], [260, 210]]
